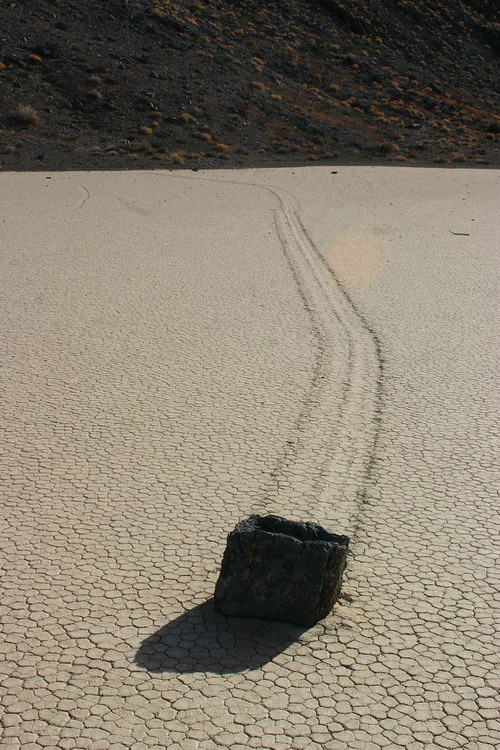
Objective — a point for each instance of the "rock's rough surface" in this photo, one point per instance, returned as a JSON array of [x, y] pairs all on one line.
[[281, 570]]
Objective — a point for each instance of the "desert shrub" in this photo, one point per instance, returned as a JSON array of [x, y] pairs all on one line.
[[178, 157], [26, 115], [141, 144], [384, 148]]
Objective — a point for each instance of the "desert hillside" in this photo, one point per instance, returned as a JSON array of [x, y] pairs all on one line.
[[105, 84]]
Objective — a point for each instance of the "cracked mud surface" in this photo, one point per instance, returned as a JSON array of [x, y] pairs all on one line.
[[168, 370]]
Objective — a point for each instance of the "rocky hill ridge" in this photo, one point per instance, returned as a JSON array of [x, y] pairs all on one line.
[[144, 83]]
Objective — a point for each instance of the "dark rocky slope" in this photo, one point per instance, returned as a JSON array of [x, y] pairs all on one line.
[[141, 83]]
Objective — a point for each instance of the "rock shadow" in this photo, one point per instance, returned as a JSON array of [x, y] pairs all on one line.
[[204, 640]]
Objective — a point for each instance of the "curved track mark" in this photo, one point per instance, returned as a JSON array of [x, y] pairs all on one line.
[[326, 466], [86, 196]]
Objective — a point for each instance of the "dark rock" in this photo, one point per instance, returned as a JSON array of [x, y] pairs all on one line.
[[45, 49], [437, 88], [173, 24], [281, 570], [350, 59]]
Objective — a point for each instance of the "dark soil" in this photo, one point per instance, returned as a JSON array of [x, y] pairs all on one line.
[[115, 84]]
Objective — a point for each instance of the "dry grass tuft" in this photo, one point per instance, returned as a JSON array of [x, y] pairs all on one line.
[[384, 148], [141, 144], [178, 157], [26, 115]]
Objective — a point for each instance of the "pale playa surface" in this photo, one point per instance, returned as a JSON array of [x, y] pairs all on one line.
[[176, 355]]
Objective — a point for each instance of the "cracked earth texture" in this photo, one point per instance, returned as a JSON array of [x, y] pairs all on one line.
[[180, 350]]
